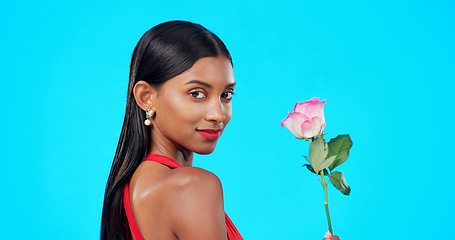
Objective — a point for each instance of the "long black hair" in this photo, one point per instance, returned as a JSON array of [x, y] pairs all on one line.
[[163, 52]]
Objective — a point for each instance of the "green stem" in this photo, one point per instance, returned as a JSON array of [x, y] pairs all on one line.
[[326, 203]]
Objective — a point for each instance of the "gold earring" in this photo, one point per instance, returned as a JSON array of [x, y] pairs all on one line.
[[148, 115]]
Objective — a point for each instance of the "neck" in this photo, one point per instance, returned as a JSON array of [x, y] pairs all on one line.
[[163, 146]]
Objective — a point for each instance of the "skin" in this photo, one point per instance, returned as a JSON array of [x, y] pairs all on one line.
[[187, 202], [184, 203]]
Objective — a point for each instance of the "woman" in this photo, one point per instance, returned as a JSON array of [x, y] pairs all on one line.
[[179, 102]]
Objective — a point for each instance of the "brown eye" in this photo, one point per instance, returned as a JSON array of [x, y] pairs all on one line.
[[227, 95], [197, 94]]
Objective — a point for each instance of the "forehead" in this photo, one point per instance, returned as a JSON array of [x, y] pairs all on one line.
[[216, 71]]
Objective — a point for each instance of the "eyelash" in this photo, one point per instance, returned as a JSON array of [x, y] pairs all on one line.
[[230, 95], [223, 95], [195, 93]]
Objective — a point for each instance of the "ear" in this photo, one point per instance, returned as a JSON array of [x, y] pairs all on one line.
[[144, 95]]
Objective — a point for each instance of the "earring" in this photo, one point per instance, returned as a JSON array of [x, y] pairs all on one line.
[[148, 115]]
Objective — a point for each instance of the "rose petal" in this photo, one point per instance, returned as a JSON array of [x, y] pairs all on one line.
[[311, 108], [315, 108], [311, 123], [319, 126], [300, 107], [327, 235], [293, 122], [307, 128], [311, 127]]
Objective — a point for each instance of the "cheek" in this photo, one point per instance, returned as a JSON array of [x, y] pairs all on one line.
[[175, 111], [228, 114]]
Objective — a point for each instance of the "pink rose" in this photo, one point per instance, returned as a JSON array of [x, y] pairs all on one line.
[[328, 236], [307, 120]]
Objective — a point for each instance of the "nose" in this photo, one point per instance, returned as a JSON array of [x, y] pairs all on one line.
[[215, 112]]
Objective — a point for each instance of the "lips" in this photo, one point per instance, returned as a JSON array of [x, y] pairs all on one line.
[[210, 134]]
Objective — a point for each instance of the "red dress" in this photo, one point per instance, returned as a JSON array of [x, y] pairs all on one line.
[[232, 232]]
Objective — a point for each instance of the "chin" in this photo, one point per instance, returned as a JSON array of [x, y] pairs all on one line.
[[205, 151]]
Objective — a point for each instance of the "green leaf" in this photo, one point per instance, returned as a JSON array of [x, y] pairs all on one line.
[[337, 179], [327, 162], [307, 159], [339, 147], [318, 152], [309, 168], [312, 170]]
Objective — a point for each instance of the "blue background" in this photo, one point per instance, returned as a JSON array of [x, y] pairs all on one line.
[[385, 67]]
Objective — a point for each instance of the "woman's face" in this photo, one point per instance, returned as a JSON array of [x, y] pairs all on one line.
[[193, 108]]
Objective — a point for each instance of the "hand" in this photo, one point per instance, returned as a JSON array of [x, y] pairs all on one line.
[[328, 236]]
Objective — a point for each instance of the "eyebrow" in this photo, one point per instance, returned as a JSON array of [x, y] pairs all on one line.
[[206, 84]]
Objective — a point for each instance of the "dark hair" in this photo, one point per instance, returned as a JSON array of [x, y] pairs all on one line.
[[163, 52]]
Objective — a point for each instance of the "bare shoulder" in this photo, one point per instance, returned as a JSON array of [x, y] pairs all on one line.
[[186, 202], [195, 200], [166, 185], [193, 178], [193, 186]]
